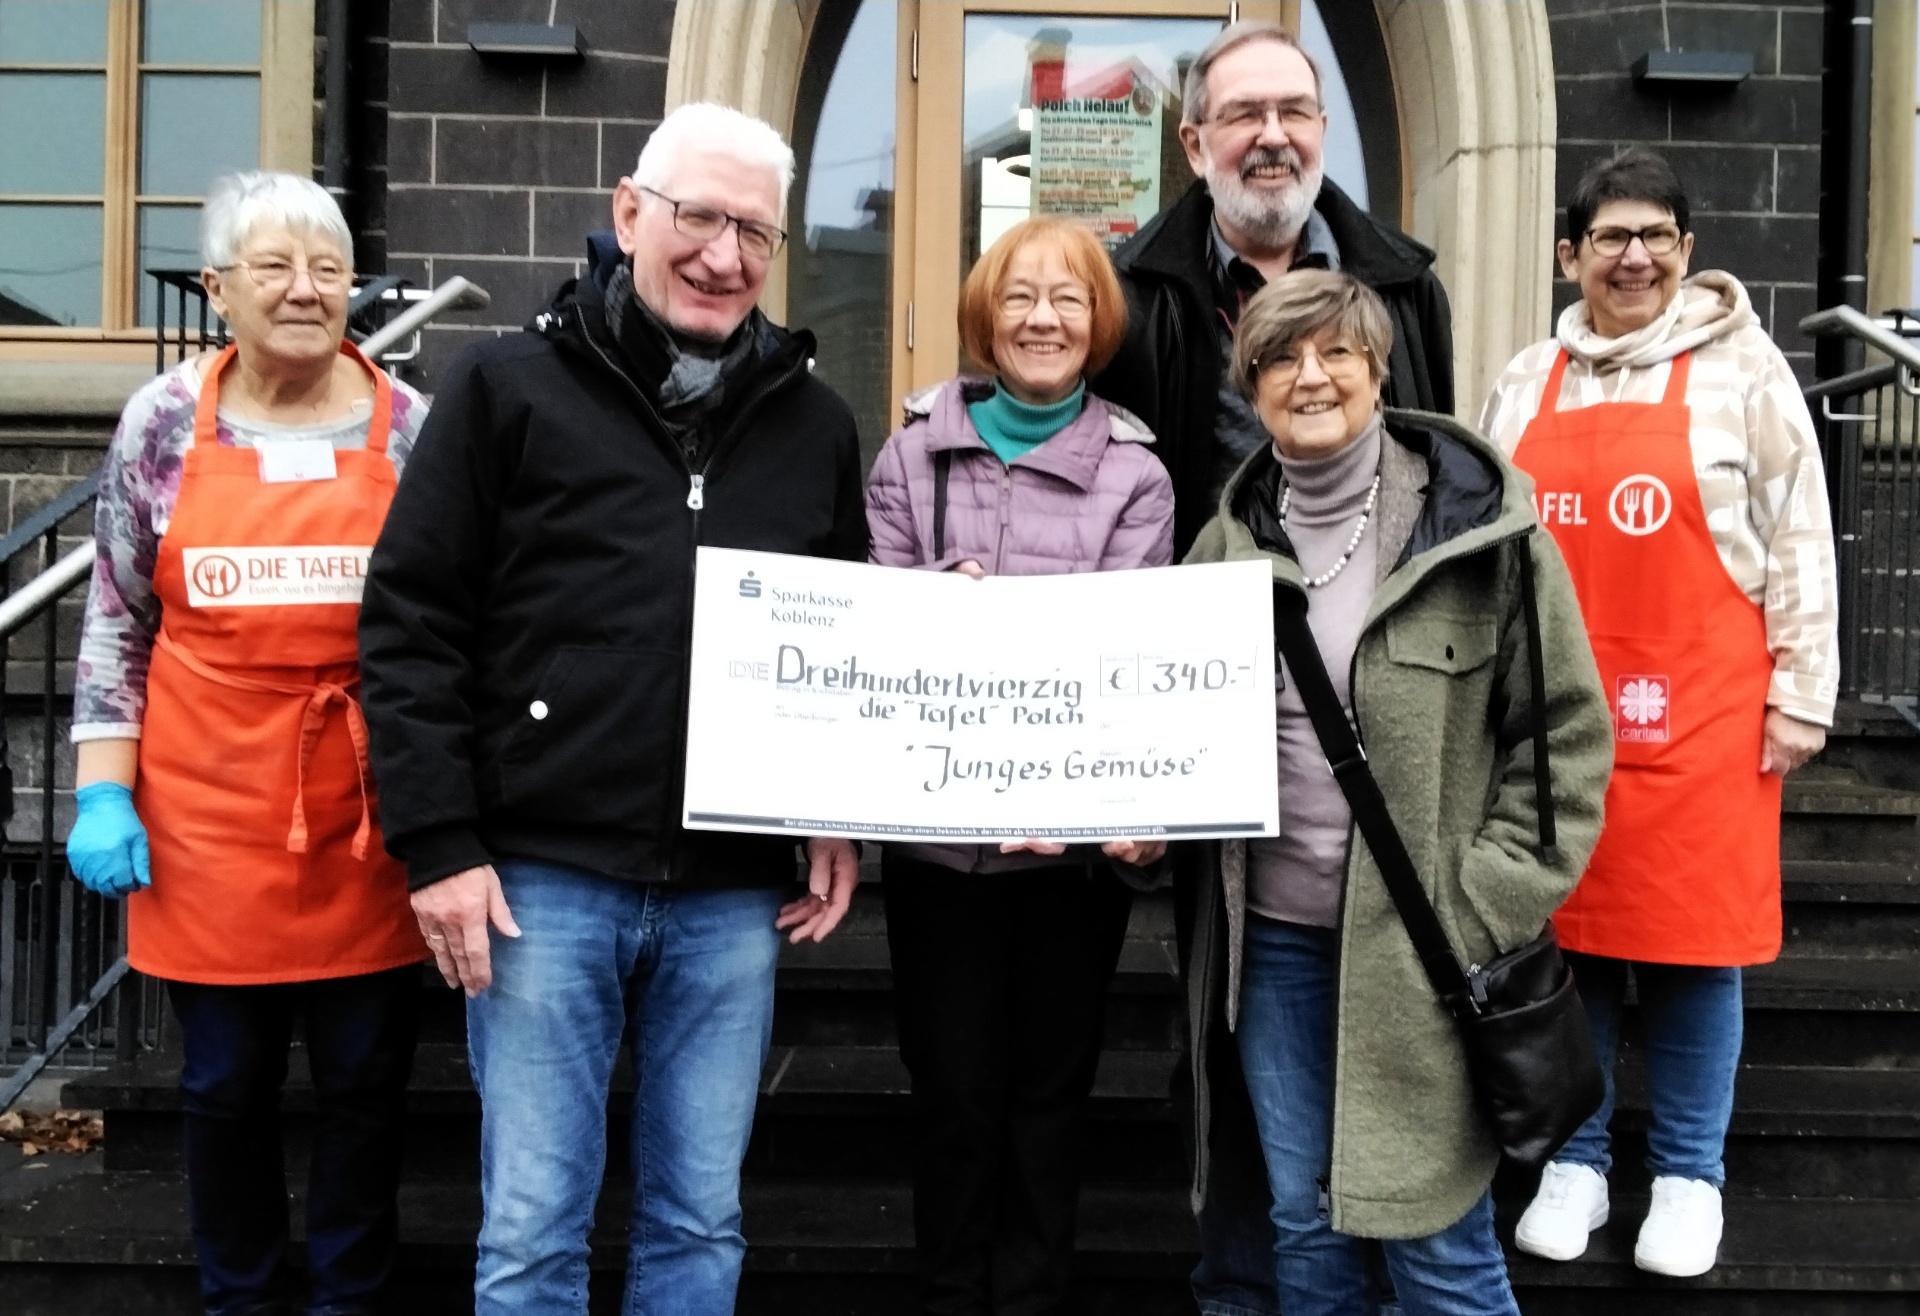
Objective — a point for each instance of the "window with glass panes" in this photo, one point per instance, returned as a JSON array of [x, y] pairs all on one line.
[[117, 115]]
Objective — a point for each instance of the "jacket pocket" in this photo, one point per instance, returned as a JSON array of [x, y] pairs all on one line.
[[1453, 645], [595, 740]]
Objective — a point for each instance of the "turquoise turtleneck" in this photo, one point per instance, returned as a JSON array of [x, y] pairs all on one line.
[[1013, 428]]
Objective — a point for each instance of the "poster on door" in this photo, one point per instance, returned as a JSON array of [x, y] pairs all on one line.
[[1096, 147]]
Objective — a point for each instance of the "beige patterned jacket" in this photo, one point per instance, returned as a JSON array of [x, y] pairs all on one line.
[[1754, 452]]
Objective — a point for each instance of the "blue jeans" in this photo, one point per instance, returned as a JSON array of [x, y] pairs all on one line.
[[359, 1034], [691, 973], [1693, 1023], [1286, 1042]]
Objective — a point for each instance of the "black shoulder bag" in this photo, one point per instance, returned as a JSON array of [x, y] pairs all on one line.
[[1521, 1023]]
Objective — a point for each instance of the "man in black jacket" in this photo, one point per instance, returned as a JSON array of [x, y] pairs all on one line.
[[1253, 129], [524, 637], [1253, 126]]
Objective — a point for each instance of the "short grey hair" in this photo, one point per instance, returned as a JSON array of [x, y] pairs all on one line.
[[1295, 307], [237, 204], [713, 129], [1194, 107]]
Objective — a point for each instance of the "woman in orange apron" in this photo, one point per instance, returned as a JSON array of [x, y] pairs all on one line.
[[222, 780], [1675, 464]]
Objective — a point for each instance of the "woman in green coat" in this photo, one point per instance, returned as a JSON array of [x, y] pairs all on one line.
[[1415, 546]]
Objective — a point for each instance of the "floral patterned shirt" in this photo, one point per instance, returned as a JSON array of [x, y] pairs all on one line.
[[139, 483]]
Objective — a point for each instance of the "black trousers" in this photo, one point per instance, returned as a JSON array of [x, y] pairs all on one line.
[[359, 1034], [1000, 985]]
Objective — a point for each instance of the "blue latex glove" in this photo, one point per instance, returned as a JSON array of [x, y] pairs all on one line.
[[108, 844]]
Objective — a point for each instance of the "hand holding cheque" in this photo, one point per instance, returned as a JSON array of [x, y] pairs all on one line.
[[908, 705]]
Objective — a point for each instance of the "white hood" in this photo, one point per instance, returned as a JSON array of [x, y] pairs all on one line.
[[1711, 305]]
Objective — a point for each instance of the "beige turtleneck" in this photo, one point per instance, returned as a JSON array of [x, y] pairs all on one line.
[[1297, 875]]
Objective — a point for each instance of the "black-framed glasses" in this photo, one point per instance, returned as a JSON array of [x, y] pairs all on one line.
[[704, 224], [1658, 239]]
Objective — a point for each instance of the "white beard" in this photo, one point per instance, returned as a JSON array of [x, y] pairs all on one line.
[[1273, 221]]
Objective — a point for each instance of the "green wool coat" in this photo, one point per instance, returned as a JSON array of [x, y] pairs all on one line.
[[1443, 703]]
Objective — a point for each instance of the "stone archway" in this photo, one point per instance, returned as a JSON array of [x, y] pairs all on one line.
[[1474, 83]]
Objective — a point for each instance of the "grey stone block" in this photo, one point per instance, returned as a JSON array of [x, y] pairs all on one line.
[[424, 221], [603, 87], [446, 80], [516, 151], [561, 221]]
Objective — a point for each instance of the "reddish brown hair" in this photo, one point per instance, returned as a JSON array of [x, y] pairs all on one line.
[[1083, 255]]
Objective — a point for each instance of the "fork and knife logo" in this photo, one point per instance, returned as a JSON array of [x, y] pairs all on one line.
[[1639, 505]]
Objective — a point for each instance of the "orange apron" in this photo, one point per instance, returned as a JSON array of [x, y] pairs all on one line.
[[1688, 866], [253, 779]]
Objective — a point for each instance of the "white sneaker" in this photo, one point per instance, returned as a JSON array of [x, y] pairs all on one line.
[[1571, 1204], [1681, 1236]]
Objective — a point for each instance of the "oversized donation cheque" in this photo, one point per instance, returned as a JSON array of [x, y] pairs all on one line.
[[836, 699]]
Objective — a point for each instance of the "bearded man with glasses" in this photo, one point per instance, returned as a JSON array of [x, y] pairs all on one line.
[[526, 634], [1254, 129]]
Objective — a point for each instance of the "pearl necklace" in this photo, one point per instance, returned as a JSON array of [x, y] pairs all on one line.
[[1360, 528]]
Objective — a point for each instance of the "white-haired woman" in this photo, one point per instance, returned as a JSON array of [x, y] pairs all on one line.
[[221, 755]]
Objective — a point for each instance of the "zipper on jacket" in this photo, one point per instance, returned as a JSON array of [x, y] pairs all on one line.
[[696, 503], [1006, 517]]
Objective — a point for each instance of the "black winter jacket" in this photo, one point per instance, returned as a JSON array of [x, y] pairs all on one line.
[[1167, 371], [528, 610]]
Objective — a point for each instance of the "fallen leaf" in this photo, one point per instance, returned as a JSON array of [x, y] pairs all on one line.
[[72, 1131]]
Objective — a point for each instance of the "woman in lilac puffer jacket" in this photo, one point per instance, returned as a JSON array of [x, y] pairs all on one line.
[[1002, 955]]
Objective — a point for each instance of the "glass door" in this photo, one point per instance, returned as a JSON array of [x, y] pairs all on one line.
[[1068, 109]]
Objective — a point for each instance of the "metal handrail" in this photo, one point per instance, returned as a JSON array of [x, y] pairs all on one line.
[[1837, 320], [27, 602], [1858, 381]]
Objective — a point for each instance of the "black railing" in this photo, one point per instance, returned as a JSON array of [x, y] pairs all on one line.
[[1869, 426], [62, 948], [189, 303]]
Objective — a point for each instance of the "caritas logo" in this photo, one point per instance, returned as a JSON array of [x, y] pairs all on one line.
[[1640, 707]]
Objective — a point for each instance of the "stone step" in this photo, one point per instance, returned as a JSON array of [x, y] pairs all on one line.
[[1868, 881], [839, 993], [843, 1111], [813, 1243]]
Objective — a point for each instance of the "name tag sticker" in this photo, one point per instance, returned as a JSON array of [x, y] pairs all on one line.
[[292, 461]]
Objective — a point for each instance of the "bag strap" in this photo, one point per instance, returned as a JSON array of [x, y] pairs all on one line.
[[942, 469], [1348, 763], [1537, 694]]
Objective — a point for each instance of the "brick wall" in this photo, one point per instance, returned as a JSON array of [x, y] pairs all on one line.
[[496, 168], [1748, 155]]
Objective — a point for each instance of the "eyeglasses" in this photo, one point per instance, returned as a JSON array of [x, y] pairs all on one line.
[[1284, 366], [704, 224], [1252, 116], [1658, 239], [271, 274], [1067, 303]]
